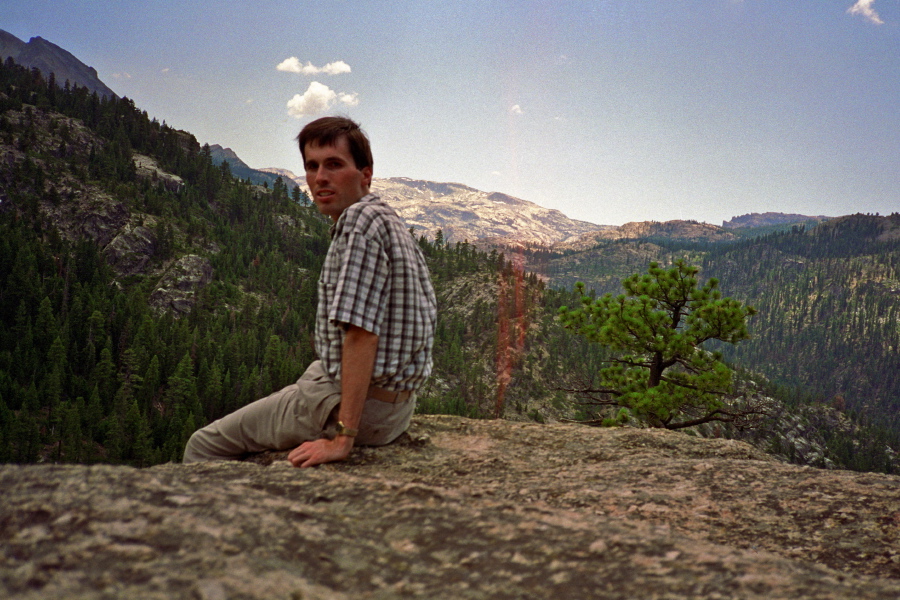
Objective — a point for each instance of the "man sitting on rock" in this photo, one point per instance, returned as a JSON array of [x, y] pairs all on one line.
[[374, 323]]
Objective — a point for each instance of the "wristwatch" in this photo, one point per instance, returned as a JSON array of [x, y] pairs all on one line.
[[344, 430]]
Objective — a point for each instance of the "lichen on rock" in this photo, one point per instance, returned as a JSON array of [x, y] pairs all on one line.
[[132, 249], [458, 509], [178, 287]]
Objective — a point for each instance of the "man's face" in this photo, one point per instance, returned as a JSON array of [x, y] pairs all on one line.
[[333, 179]]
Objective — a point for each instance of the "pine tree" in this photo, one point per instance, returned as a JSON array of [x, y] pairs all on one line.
[[104, 376], [662, 374], [71, 439], [138, 441], [181, 394], [7, 431]]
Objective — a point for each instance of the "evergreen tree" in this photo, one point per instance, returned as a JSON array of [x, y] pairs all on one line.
[[7, 432], [662, 374], [139, 450]]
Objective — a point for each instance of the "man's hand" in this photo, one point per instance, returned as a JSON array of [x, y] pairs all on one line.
[[310, 454], [357, 363]]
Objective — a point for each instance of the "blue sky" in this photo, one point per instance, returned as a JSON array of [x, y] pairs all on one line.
[[610, 111]]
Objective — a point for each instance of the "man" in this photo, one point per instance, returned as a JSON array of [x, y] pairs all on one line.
[[374, 323]]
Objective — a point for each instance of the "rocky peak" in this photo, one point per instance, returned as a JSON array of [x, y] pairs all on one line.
[[49, 58], [464, 213], [220, 155], [287, 176], [10, 45]]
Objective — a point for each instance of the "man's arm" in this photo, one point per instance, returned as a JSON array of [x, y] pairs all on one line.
[[357, 363]]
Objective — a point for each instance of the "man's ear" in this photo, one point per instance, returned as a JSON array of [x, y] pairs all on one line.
[[367, 176]]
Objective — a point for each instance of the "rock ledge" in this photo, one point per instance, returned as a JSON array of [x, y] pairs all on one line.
[[458, 509]]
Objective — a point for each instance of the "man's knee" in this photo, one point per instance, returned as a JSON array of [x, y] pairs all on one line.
[[192, 451], [200, 448]]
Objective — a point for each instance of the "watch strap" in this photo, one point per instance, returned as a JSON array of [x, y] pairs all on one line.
[[344, 430]]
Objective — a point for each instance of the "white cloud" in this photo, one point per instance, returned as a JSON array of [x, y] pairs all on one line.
[[166, 70], [121, 76], [318, 98], [349, 99], [293, 65], [336, 68], [864, 8], [516, 110]]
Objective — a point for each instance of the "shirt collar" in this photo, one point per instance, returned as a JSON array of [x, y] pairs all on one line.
[[370, 197]]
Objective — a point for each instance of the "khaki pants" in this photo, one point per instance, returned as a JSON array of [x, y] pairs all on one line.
[[301, 412]]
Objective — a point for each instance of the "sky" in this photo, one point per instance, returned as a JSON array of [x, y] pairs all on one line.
[[610, 110]]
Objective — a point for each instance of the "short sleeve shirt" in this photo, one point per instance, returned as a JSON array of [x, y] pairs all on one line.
[[375, 277]]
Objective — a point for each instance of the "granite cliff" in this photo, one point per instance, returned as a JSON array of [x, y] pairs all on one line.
[[464, 213], [458, 509]]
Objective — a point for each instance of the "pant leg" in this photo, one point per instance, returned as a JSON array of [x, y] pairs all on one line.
[[383, 422], [280, 421]]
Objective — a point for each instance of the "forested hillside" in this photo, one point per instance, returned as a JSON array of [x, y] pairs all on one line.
[[829, 309], [90, 369], [145, 291], [828, 300], [827, 330]]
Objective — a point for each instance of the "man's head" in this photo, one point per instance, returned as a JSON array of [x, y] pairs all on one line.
[[327, 130], [338, 163]]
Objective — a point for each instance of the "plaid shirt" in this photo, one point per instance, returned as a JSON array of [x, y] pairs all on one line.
[[375, 277]]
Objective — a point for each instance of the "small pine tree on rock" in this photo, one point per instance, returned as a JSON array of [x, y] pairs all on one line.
[[661, 374]]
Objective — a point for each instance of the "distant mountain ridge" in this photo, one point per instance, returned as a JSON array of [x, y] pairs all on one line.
[[686, 231], [464, 213], [769, 218], [49, 58], [458, 211], [241, 169]]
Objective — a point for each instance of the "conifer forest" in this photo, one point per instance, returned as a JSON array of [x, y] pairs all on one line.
[[145, 291]]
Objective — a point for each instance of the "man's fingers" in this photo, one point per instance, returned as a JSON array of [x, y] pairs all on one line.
[[299, 454], [310, 454]]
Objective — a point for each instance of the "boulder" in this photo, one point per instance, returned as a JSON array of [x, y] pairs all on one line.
[[130, 251], [177, 290], [147, 168]]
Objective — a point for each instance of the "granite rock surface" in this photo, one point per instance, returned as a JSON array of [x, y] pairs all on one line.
[[457, 509]]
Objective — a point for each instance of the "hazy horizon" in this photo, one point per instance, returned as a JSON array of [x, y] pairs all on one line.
[[608, 111]]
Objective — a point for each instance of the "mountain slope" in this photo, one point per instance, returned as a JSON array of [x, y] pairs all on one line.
[[49, 58], [768, 219], [828, 321], [464, 213], [244, 171], [145, 291], [829, 309]]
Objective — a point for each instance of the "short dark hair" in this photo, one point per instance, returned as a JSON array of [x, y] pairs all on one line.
[[328, 130]]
